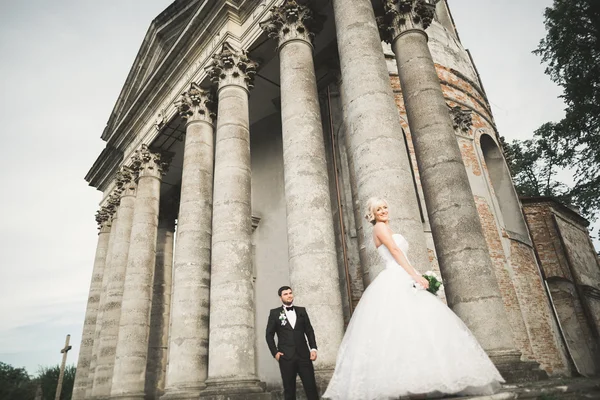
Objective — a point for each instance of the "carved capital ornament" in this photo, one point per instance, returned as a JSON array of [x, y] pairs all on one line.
[[146, 162], [197, 104], [400, 16], [232, 67], [103, 218], [293, 21], [462, 120], [125, 181]]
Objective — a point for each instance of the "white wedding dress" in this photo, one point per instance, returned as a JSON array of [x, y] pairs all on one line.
[[403, 341]]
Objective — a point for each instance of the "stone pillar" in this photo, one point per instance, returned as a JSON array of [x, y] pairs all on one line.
[[188, 344], [110, 308], [312, 255], [232, 364], [375, 141], [128, 378], [158, 339], [112, 216], [89, 326], [471, 287]]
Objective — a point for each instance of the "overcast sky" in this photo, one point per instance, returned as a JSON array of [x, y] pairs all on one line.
[[62, 66]]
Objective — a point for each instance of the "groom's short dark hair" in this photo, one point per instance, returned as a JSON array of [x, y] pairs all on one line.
[[281, 289]]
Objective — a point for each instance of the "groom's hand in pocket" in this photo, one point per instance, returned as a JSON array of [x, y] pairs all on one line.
[[278, 355]]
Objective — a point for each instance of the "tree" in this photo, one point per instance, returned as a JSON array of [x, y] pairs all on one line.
[[534, 164], [15, 383], [571, 50], [48, 378]]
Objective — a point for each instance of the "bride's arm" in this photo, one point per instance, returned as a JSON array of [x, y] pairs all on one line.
[[383, 234]]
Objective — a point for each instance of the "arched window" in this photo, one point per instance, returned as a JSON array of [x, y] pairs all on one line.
[[504, 189]]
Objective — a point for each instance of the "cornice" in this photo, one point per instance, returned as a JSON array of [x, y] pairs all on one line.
[[214, 23]]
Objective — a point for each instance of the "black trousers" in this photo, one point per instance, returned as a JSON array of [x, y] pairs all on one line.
[[298, 366]]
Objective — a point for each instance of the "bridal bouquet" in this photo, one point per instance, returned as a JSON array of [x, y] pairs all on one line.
[[434, 282]]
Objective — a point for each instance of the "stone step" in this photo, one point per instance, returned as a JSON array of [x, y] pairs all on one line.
[[548, 389], [551, 389]]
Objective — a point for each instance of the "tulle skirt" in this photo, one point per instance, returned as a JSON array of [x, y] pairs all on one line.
[[403, 341]]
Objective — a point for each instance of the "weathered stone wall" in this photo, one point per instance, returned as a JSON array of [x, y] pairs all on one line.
[[571, 268], [269, 240]]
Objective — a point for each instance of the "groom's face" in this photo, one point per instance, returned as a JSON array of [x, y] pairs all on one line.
[[287, 297]]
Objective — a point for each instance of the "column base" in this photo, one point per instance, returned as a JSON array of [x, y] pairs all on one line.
[[238, 396], [514, 370], [128, 396], [190, 393], [235, 389]]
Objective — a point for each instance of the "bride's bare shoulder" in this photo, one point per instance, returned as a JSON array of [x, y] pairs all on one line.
[[381, 228]]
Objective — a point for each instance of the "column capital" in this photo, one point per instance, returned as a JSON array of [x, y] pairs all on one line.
[[197, 104], [293, 21], [146, 162], [232, 67], [400, 16], [126, 181], [103, 219]]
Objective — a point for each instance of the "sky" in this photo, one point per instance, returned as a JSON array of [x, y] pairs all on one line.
[[62, 66]]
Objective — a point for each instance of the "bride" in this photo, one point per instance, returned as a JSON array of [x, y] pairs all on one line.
[[402, 340]]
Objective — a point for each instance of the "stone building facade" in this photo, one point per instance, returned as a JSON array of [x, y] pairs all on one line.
[[239, 157], [570, 267]]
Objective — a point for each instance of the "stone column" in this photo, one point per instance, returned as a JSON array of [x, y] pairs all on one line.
[[232, 365], [158, 339], [112, 216], [128, 378], [312, 255], [375, 141], [89, 326], [188, 344], [110, 308], [471, 287]]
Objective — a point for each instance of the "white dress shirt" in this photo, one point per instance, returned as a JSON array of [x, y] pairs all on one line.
[[290, 315]]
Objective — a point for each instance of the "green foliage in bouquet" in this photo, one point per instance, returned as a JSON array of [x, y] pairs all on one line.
[[434, 283]]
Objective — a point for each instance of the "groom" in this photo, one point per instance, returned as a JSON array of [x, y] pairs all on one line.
[[293, 328]]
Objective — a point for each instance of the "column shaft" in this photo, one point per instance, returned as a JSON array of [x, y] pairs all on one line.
[[311, 242], [188, 344], [375, 140], [231, 351], [128, 380], [158, 340], [89, 326], [111, 307], [232, 365], [101, 306], [471, 287]]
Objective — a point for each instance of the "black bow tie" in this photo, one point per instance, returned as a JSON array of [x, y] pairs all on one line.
[[290, 308]]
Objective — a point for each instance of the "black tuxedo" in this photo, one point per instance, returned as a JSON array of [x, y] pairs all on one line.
[[296, 352]]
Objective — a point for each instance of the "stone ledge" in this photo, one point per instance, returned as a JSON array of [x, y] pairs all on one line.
[[239, 396]]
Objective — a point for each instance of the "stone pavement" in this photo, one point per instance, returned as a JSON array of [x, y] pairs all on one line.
[[552, 389]]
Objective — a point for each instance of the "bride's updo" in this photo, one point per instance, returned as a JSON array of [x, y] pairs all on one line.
[[372, 204]]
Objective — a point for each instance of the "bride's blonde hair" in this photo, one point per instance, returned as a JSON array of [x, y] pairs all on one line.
[[372, 205]]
